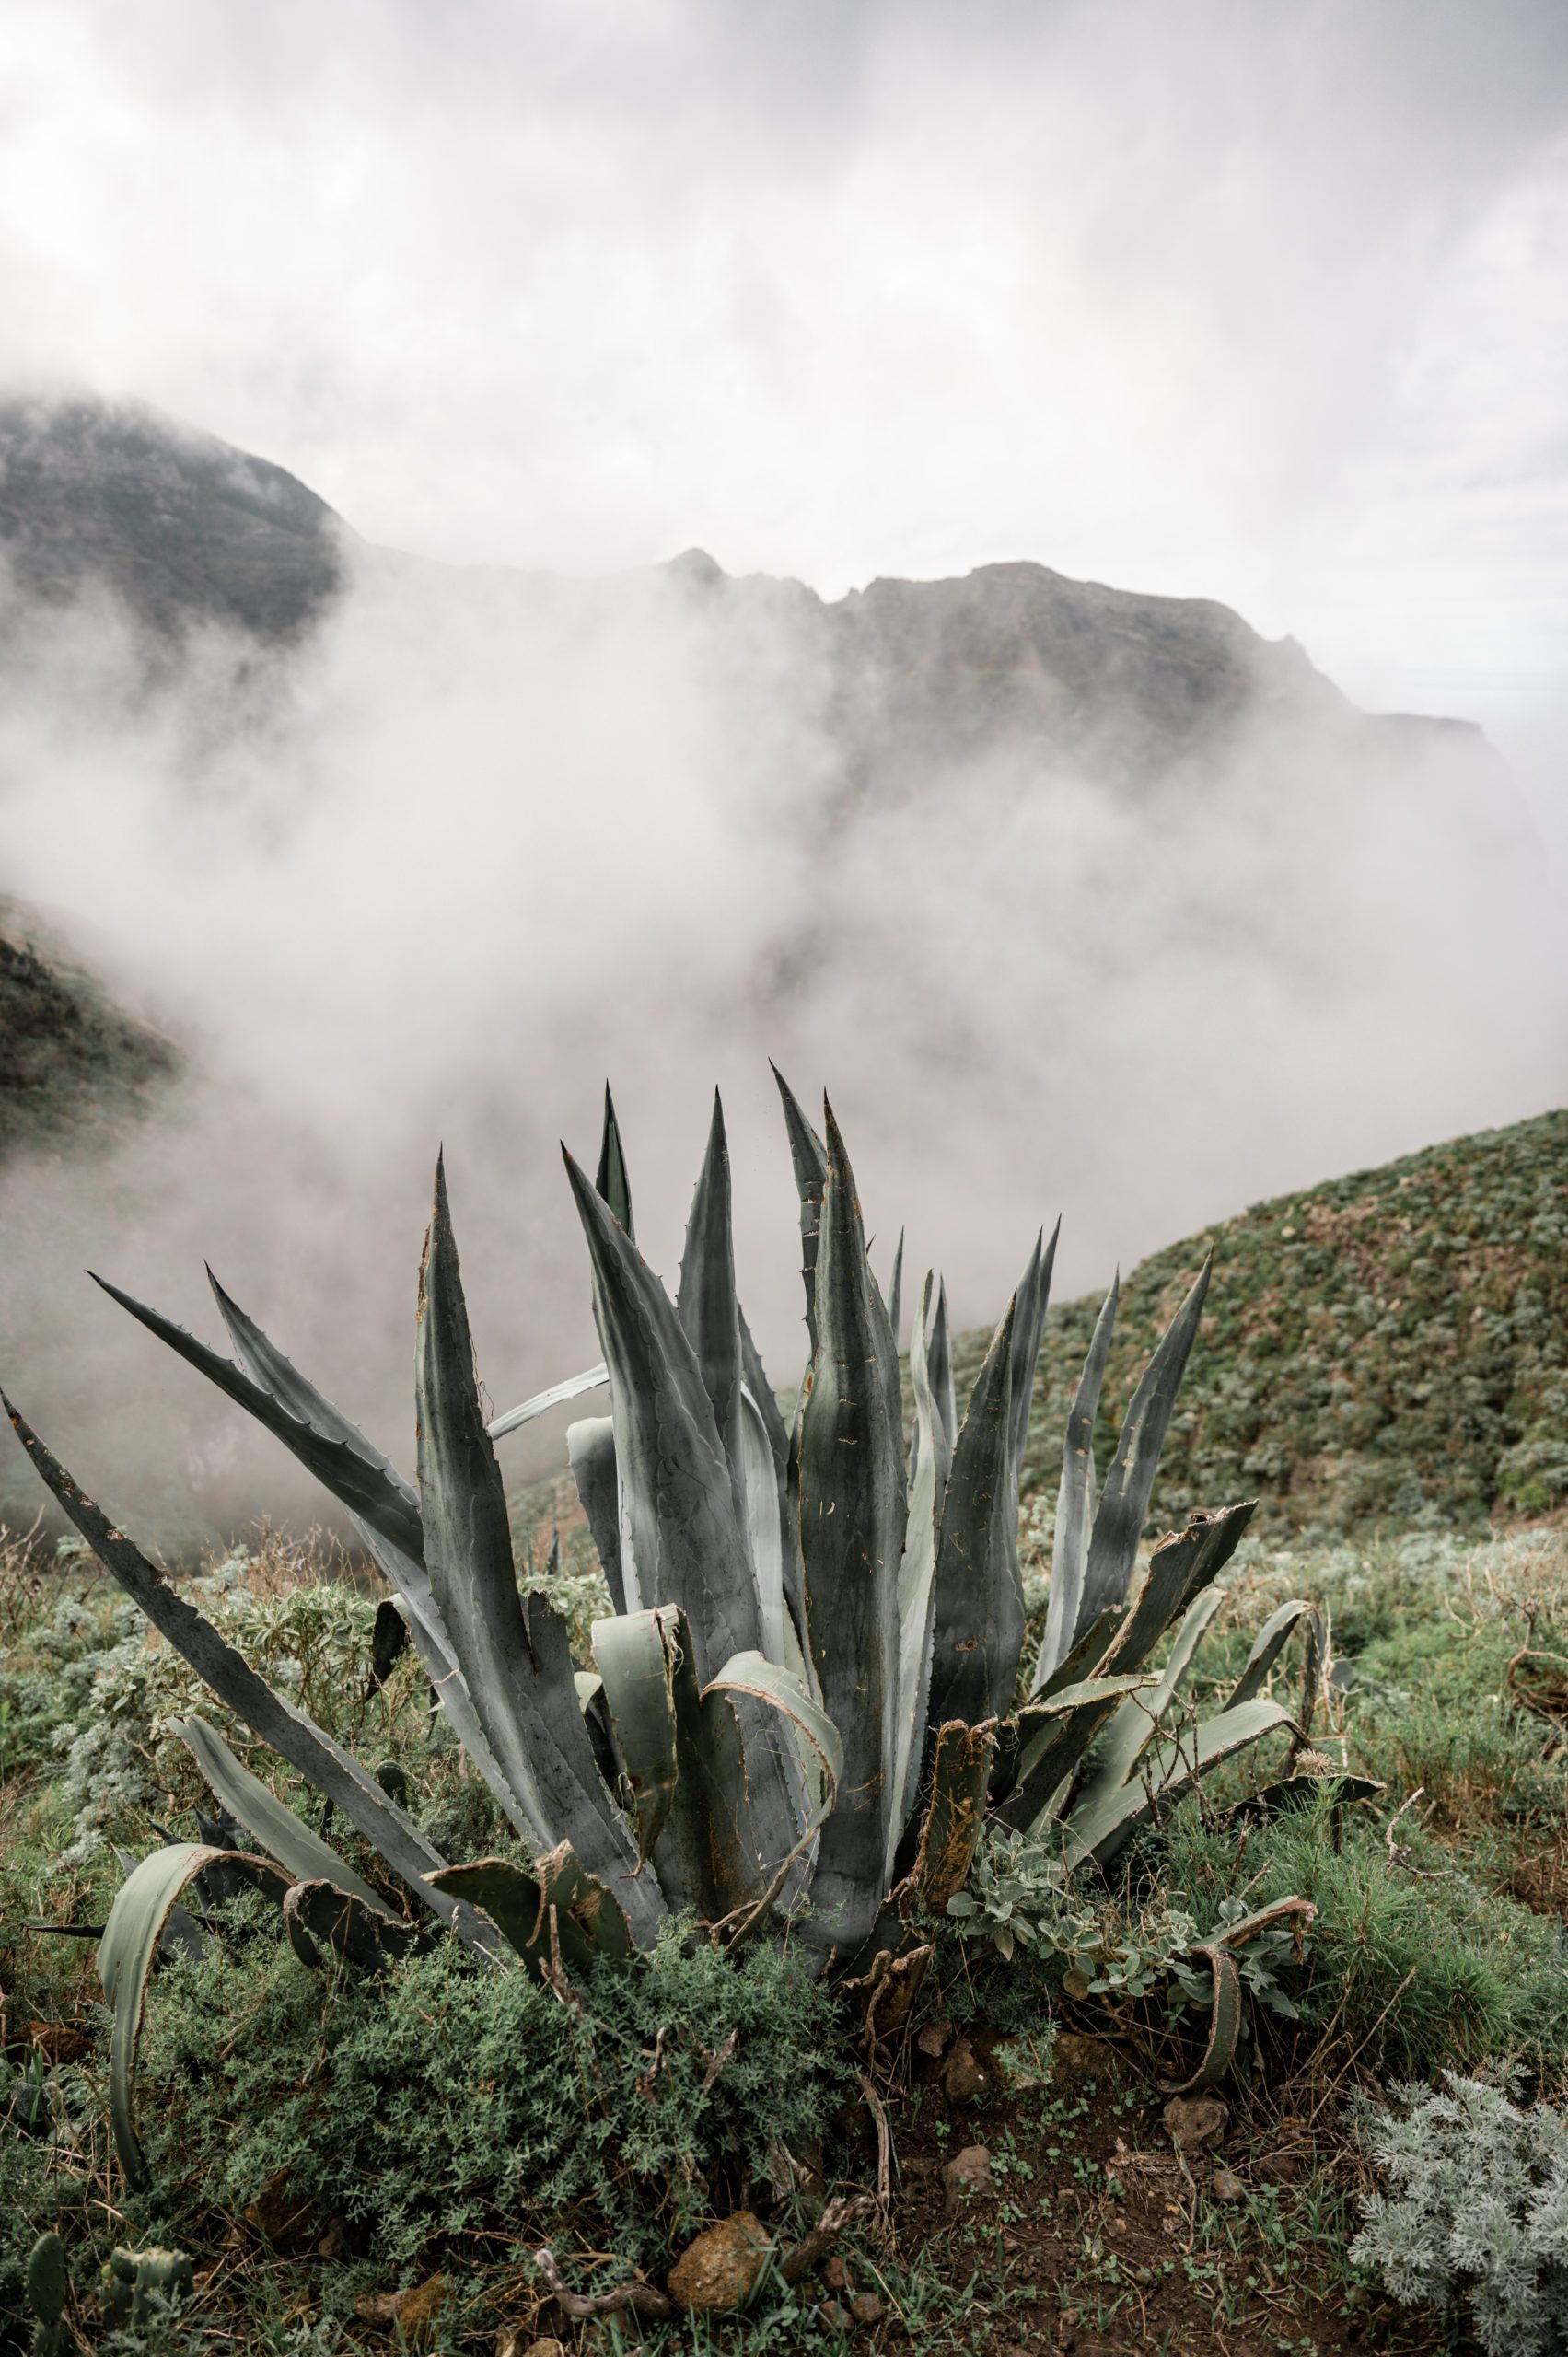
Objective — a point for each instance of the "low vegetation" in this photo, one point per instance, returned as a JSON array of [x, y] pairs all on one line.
[[1387, 1349], [349, 2127], [76, 1070]]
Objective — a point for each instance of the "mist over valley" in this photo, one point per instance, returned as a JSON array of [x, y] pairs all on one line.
[[1076, 899]]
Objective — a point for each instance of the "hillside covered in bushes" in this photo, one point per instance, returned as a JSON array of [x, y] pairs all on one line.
[[76, 1069], [1386, 1348]]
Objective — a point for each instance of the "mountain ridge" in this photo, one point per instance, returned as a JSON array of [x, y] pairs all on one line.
[[1010, 689], [186, 528]]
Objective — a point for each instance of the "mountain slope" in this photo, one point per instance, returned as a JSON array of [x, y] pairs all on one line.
[[74, 1067], [918, 677], [1390, 1346], [1016, 832], [183, 526], [1125, 686]]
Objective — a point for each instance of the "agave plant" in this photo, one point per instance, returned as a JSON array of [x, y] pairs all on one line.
[[803, 1702]]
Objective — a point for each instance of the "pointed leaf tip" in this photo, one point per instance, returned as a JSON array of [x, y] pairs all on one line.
[[612, 1181]]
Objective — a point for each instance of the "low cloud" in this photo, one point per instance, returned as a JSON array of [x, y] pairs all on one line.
[[487, 840]]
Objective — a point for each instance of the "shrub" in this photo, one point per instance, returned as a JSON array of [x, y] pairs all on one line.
[[444, 2101], [1477, 2206]]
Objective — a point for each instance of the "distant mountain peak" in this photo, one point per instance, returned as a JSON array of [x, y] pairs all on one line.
[[186, 528], [696, 567]]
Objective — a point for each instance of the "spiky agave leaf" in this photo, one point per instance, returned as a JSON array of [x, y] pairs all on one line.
[[809, 1157], [852, 1522], [271, 1823], [126, 1953], [612, 1183], [542, 1401], [756, 1379], [1066, 1623], [944, 1400], [564, 1884], [652, 1697], [320, 1915], [677, 1748], [895, 1288], [765, 1510], [590, 1451], [1052, 1737], [751, 1704], [706, 1305], [1180, 1567], [960, 1775], [517, 1663], [677, 1503], [1086, 1655], [1183, 1563], [979, 1596], [290, 1731], [1028, 1325], [316, 1432], [917, 1579], [1135, 1722], [944, 1840], [1129, 1483], [517, 1905], [764, 1415], [1270, 1643], [682, 1541], [1101, 1828]]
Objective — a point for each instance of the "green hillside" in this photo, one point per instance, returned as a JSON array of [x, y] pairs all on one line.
[[1387, 1347], [74, 1068]]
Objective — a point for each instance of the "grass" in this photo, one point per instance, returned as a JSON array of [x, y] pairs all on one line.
[[434, 2124]]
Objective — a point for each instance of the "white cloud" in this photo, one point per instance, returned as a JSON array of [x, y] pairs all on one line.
[[1260, 304]]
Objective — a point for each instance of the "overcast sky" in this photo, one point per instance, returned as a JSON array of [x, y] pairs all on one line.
[[1263, 302]]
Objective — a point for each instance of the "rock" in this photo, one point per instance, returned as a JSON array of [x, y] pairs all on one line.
[[1194, 2122], [1285, 2163], [968, 2176], [834, 2316], [935, 2038], [411, 2313], [509, 2342], [832, 2273], [1075, 2056], [1227, 2186], [964, 2075], [718, 2269], [866, 2308], [59, 2041], [418, 2308]]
